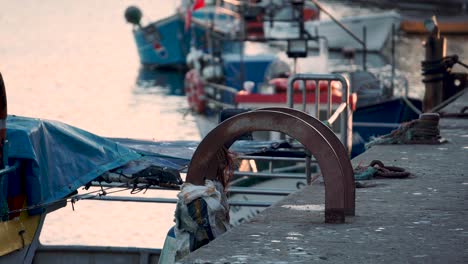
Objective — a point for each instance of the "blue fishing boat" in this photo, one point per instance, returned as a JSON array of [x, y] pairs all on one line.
[[165, 43], [157, 50], [161, 44]]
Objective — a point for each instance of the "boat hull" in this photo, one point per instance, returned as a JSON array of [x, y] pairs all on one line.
[[163, 44], [380, 119], [378, 29], [368, 121]]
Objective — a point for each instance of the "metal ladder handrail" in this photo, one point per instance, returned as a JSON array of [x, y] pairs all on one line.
[[343, 109]]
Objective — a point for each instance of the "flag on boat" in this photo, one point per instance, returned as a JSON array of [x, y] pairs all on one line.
[[197, 4]]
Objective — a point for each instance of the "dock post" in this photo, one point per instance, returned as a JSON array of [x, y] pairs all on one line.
[[435, 46]]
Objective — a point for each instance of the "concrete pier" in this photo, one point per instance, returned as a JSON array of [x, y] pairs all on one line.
[[420, 219]]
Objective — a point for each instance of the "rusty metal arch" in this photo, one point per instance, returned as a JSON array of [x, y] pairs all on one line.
[[201, 166], [338, 147]]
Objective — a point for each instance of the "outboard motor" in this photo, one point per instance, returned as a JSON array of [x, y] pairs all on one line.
[[133, 15]]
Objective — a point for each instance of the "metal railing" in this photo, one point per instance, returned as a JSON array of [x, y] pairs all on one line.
[[115, 180], [342, 110], [215, 95]]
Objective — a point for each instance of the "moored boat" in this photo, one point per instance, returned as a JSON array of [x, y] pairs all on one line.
[[376, 27], [165, 43]]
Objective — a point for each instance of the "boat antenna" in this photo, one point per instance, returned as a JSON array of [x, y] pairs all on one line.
[[242, 39], [392, 85]]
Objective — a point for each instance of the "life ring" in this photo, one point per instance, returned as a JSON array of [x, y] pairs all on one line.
[[3, 118], [195, 91]]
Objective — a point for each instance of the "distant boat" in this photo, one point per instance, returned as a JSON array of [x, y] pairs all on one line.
[[378, 29], [165, 43]]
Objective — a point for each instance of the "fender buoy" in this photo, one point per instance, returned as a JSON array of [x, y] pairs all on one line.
[[195, 91], [3, 118], [281, 86], [311, 13], [188, 87]]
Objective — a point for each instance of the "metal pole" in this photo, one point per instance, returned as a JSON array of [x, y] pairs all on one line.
[[390, 93], [299, 176], [164, 200], [302, 85], [270, 158], [329, 100], [308, 171], [242, 29], [346, 118], [364, 47], [317, 99], [290, 91]]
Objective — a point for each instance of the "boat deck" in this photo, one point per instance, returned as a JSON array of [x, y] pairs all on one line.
[[420, 219]]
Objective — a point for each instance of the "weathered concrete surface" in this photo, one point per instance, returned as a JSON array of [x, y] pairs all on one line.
[[422, 219]]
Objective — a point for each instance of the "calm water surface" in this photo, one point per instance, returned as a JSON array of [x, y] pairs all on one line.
[[76, 62]]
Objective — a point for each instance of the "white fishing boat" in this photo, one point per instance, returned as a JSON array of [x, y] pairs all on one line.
[[378, 28]]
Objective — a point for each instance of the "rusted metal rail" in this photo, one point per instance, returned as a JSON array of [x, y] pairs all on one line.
[[337, 146], [338, 190]]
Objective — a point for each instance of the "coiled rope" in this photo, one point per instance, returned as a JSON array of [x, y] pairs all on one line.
[[434, 70]]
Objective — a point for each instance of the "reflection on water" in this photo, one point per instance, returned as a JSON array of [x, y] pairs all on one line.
[[76, 62], [157, 81]]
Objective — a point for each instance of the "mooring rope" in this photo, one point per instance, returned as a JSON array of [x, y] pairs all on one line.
[[376, 169]]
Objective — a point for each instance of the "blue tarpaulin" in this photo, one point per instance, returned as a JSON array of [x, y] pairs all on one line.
[[57, 158]]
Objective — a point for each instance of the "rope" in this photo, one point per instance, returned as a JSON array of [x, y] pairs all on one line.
[[411, 105], [424, 130], [434, 70], [388, 171], [72, 200], [377, 169]]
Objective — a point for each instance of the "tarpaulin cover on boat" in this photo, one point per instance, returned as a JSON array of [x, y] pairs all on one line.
[[58, 158], [177, 154]]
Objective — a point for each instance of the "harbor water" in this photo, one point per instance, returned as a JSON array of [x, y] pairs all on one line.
[[76, 62]]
